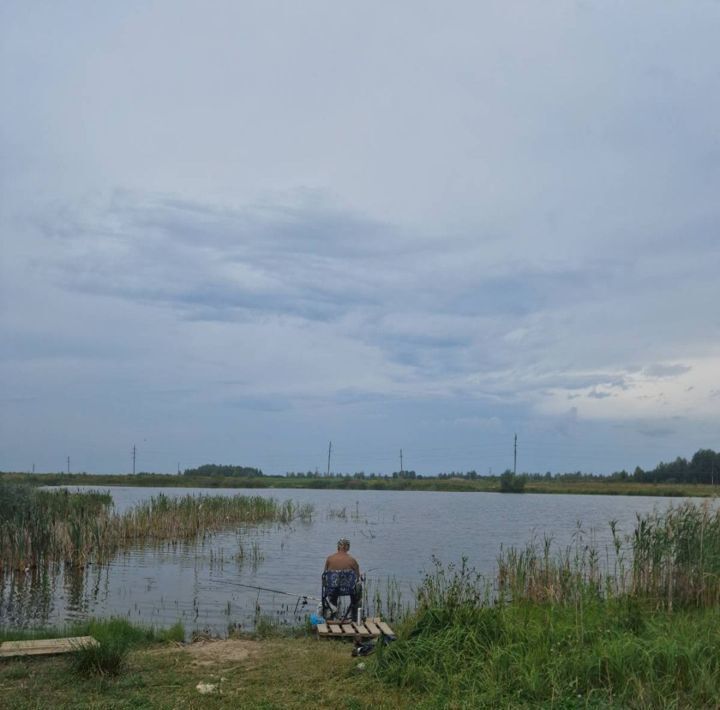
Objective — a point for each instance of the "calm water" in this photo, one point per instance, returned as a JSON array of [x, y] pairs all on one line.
[[394, 535]]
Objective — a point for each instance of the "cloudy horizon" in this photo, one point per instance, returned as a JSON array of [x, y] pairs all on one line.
[[234, 232]]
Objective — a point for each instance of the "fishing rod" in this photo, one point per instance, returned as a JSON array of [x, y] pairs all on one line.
[[300, 597], [275, 591], [267, 589]]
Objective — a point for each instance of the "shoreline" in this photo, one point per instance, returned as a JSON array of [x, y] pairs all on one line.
[[425, 484]]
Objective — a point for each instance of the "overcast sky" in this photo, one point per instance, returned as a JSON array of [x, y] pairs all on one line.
[[234, 231]]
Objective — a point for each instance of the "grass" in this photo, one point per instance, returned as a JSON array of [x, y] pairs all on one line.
[[115, 637], [101, 630], [529, 655], [44, 527]]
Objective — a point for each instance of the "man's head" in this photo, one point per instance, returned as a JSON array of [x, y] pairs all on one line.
[[343, 544]]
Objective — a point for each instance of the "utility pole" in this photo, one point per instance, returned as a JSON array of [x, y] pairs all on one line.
[[401, 464], [515, 456], [329, 452], [134, 452], [33, 468], [68, 462], [178, 468]]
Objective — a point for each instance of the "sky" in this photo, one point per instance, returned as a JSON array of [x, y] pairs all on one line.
[[232, 232]]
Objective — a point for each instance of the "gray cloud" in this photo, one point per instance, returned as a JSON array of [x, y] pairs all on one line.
[[657, 432], [660, 370]]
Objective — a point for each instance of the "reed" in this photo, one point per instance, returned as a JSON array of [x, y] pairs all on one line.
[[384, 597], [671, 558], [43, 527], [676, 557]]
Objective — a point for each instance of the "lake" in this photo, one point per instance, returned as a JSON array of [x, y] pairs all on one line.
[[393, 534]]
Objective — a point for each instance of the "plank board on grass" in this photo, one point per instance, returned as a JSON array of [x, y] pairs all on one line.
[[372, 628], [335, 629], [39, 647], [386, 629], [322, 629]]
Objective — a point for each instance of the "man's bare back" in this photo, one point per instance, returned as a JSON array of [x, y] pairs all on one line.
[[342, 560]]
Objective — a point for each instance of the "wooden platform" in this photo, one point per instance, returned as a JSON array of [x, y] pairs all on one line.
[[368, 629], [45, 646]]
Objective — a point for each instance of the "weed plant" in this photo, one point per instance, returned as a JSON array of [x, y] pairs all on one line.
[[108, 657]]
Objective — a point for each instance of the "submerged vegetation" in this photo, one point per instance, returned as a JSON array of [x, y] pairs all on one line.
[[40, 527], [638, 626]]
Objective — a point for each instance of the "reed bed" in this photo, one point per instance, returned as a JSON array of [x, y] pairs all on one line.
[[671, 558], [44, 527]]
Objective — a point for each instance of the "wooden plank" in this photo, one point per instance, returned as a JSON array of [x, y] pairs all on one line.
[[374, 631], [360, 628], [322, 629], [386, 629], [40, 647], [335, 629], [348, 629]]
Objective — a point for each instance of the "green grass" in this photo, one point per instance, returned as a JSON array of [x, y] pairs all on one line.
[[530, 655], [100, 629]]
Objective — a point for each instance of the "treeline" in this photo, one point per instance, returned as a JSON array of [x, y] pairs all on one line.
[[358, 475], [703, 467], [212, 469]]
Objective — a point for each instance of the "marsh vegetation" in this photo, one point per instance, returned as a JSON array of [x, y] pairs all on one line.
[[40, 527]]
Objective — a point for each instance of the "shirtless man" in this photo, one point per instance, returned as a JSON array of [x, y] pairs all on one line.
[[342, 561]]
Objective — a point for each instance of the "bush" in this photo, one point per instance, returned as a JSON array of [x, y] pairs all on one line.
[[106, 658]]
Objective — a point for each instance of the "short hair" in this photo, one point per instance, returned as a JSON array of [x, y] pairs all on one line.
[[343, 544]]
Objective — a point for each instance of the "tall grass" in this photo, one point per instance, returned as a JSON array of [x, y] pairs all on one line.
[[43, 527], [671, 558], [38, 527], [638, 626]]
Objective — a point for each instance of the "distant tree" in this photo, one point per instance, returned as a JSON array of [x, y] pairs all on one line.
[[510, 483], [211, 469], [703, 467]]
